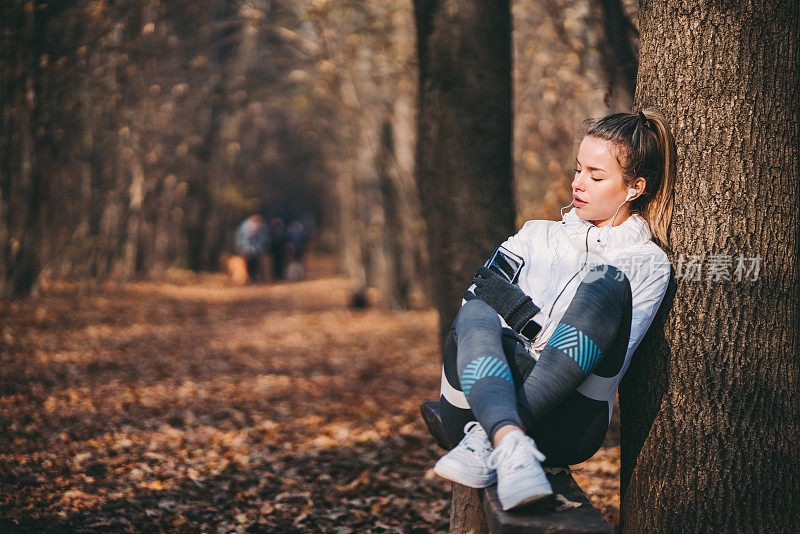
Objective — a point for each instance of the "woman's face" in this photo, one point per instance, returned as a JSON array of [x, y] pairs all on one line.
[[598, 189]]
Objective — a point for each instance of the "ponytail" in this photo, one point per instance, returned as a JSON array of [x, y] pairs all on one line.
[[658, 212], [645, 148]]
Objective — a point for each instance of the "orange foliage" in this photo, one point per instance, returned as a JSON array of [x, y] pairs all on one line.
[[201, 405]]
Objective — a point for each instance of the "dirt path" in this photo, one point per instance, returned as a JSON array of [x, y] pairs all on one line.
[[196, 405]]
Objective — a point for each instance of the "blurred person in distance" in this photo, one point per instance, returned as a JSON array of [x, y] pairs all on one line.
[[251, 241], [297, 238]]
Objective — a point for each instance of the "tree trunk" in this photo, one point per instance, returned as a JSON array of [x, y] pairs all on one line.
[[710, 405], [619, 54], [134, 168], [235, 70], [203, 223], [23, 256], [370, 210], [83, 230], [414, 286], [111, 175], [464, 138], [350, 247], [380, 238]]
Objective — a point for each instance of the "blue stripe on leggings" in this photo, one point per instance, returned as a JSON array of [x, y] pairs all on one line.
[[577, 345], [483, 367]]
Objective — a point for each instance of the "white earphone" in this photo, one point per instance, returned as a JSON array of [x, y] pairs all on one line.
[[631, 192]]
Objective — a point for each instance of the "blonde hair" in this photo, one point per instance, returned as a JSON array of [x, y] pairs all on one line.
[[645, 148]]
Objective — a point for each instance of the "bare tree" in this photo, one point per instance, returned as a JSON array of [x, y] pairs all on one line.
[[464, 169], [381, 230]]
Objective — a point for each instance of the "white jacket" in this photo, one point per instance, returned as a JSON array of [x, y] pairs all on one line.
[[559, 254]]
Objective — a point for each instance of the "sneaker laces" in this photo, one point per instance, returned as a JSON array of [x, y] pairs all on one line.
[[475, 438], [518, 439]]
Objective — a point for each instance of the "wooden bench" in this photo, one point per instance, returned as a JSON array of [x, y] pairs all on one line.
[[479, 511]]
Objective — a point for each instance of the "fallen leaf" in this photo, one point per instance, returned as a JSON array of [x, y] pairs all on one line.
[[566, 503]]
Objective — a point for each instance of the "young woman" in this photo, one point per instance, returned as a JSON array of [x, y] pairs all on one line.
[[531, 367]]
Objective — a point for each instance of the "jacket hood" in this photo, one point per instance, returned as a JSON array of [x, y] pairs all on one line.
[[633, 231]]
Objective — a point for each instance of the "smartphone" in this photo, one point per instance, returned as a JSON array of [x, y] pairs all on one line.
[[506, 264]]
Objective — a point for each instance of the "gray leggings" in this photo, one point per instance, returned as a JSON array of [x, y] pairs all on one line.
[[505, 385]]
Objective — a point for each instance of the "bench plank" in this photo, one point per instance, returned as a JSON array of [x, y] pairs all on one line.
[[550, 516]]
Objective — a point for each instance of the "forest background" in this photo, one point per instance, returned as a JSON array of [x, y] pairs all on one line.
[[139, 388], [136, 135]]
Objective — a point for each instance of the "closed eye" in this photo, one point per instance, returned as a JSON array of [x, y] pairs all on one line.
[[577, 171]]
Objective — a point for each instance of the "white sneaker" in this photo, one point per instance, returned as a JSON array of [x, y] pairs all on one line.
[[467, 463], [520, 477]]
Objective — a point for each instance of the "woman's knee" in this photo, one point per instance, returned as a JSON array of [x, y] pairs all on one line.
[[601, 310], [476, 314], [611, 279]]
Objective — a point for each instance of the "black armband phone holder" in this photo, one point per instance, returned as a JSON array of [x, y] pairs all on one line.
[[506, 264]]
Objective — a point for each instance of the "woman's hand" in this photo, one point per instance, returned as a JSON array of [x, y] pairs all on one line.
[[506, 298]]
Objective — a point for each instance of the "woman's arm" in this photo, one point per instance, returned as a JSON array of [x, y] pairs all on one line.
[[648, 296]]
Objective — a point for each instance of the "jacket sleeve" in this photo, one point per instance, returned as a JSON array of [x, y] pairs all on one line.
[[519, 243], [647, 298]]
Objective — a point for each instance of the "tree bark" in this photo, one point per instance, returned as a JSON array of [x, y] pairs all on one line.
[[23, 256], [711, 403], [464, 166], [113, 177], [134, 168], [203, 224], [370, 211], [414, 286], [235, 70]]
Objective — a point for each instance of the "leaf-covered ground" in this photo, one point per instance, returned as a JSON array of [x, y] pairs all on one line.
[[195, 405]]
